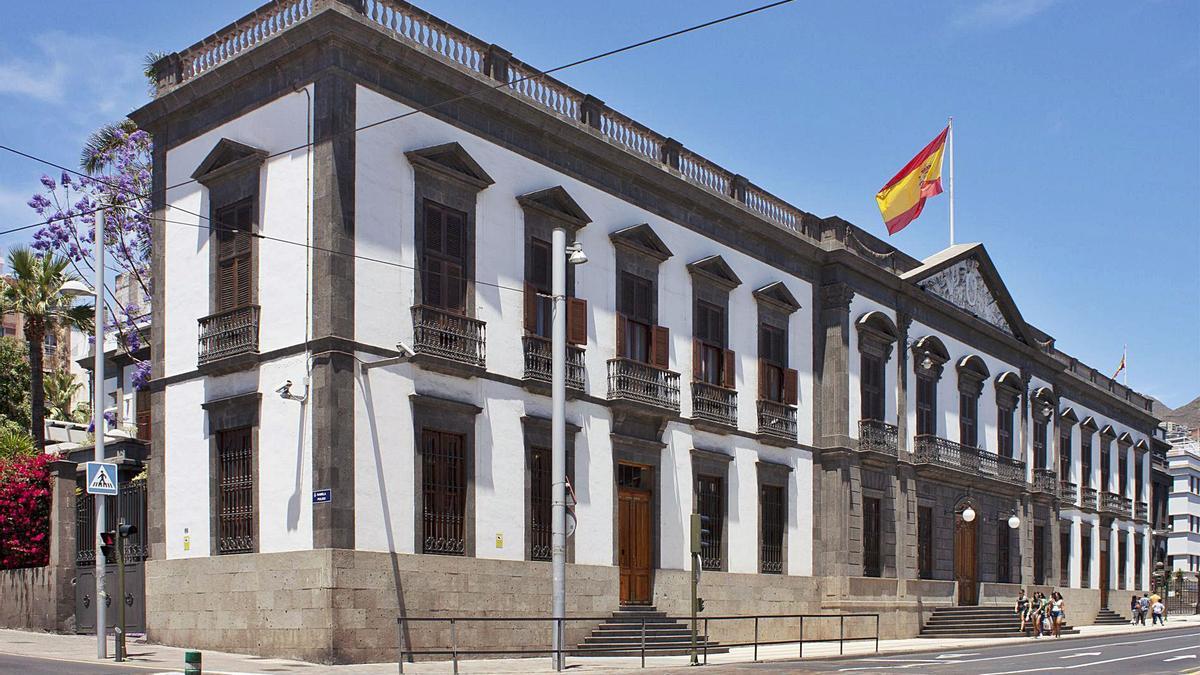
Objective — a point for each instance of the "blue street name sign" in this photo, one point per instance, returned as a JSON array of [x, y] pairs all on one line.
[[322, 496], [101, 478]]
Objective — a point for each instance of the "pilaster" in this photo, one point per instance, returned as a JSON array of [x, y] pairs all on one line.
[[333, 392]]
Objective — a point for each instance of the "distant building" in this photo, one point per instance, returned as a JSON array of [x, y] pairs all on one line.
[[1183, 465]]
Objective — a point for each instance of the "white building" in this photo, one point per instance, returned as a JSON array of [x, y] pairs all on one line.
[[1183, 541], [834, 404]]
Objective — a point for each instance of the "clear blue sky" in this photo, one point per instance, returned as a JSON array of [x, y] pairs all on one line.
[[1077, 124]]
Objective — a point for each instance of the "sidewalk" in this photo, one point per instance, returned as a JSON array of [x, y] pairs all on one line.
[[160, 659]]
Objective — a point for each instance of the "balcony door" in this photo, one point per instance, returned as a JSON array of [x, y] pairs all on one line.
[[966, 561]]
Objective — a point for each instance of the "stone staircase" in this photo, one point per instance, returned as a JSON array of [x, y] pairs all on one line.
[[1107, 617], [978, 622], [621, 635]]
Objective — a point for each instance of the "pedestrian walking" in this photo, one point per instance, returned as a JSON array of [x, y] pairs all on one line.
[[1159, 610], [1133, 610], [1057, 612], [1143, 608], [1022, 609]]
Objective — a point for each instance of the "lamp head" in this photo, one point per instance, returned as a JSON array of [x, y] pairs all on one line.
[[575, 254], [968, 514], [75, 289]]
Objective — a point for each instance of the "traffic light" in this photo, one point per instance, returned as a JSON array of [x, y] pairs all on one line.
[[108, 544], [126, 531], [699, 604]]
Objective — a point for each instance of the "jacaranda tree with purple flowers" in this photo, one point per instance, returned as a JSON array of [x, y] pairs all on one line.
[[118, 158]]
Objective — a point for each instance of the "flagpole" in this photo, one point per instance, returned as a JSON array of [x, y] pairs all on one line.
[[950, 127]]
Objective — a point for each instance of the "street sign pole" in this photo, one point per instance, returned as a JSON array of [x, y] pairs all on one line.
[[98, 428]]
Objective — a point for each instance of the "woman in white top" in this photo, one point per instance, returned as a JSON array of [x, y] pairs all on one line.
[[1057, 612]]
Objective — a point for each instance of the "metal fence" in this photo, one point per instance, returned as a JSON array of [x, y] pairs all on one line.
[[817, 623]]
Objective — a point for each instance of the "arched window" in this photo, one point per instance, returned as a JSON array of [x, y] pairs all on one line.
[[876, 335], [929, 355], [1008, 393], [972, 371]]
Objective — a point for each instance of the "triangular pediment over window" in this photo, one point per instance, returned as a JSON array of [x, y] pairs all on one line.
[[641, 238], [556, 203], [451, 160], [777, 293], [226, 157], [964, 276], [717, 270]]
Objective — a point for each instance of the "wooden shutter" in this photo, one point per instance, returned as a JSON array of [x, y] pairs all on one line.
[[762, 380], [729, 370], [660, 352], [790, 377], [531, 307], [697, 360], [621, 347], [577, 321]]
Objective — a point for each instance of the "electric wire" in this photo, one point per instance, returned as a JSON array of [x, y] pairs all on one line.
[[498, 85]]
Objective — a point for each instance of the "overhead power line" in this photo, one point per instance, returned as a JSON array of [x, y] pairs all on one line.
[[498, 85]]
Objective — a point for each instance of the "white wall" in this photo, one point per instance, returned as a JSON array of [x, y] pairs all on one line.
[[283, 449], [385, 499]]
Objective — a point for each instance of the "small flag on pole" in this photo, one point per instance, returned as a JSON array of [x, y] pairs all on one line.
[[901, 200], [1124, 354]]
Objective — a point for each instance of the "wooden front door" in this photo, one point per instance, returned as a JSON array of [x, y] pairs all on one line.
[[633, 532], [1104, 571], [965, 562]]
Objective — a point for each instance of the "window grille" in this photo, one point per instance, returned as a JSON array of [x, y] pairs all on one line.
[[872, 564], [444, 479], [712, 513], [235, 491], [540, 503], [773, 528]]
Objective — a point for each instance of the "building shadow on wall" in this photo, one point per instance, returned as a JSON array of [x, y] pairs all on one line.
[[293, 507], [364, 383]]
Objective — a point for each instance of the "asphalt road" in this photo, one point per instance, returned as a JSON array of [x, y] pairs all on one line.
[[1154, 651]]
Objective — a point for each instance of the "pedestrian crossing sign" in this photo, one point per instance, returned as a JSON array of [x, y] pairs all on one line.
[[101, 478]]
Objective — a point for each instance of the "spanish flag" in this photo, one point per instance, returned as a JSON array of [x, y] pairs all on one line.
[[901, 200]]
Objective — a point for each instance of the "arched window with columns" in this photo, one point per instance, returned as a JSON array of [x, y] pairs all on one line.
[[929, 356], [972, 372], [1008, 395]]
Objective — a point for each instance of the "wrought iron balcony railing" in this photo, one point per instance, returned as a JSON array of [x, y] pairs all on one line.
[[1045, 481], [935, 451], [538, 359], [877, 436], [635, 381], [714, 404], [1088, 498], [777, 419], [1068, 491], [230, 333], [1143, 513], [449, 336], [1111, 502]]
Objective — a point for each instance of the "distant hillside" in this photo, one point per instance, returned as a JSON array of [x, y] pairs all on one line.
[[1188, 414]]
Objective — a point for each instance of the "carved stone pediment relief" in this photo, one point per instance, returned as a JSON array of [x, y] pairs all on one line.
[[963, 286]]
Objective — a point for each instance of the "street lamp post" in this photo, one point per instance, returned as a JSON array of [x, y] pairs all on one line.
[[98, 429], [558, 433]]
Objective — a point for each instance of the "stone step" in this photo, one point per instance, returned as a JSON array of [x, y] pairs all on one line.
[[666, 649], [993, 634], [636, 639]]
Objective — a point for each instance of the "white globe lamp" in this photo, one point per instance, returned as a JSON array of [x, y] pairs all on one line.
[[968, 514]]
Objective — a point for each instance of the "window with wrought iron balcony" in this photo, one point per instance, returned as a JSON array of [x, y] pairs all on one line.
[[874, 434], [444, 333], [778, 392], [539, 320], [230, 335], [640, 373], [714, 393]]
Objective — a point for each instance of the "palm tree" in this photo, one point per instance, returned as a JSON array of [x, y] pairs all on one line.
[[35, 291], [61, 387]]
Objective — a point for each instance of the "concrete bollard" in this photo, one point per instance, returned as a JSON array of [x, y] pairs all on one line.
[[191, 663]]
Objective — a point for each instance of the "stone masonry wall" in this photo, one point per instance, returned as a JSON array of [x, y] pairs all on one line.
[[29, 600], [341, 606]]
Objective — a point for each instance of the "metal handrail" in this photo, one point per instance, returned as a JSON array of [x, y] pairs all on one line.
[[406, 652]]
